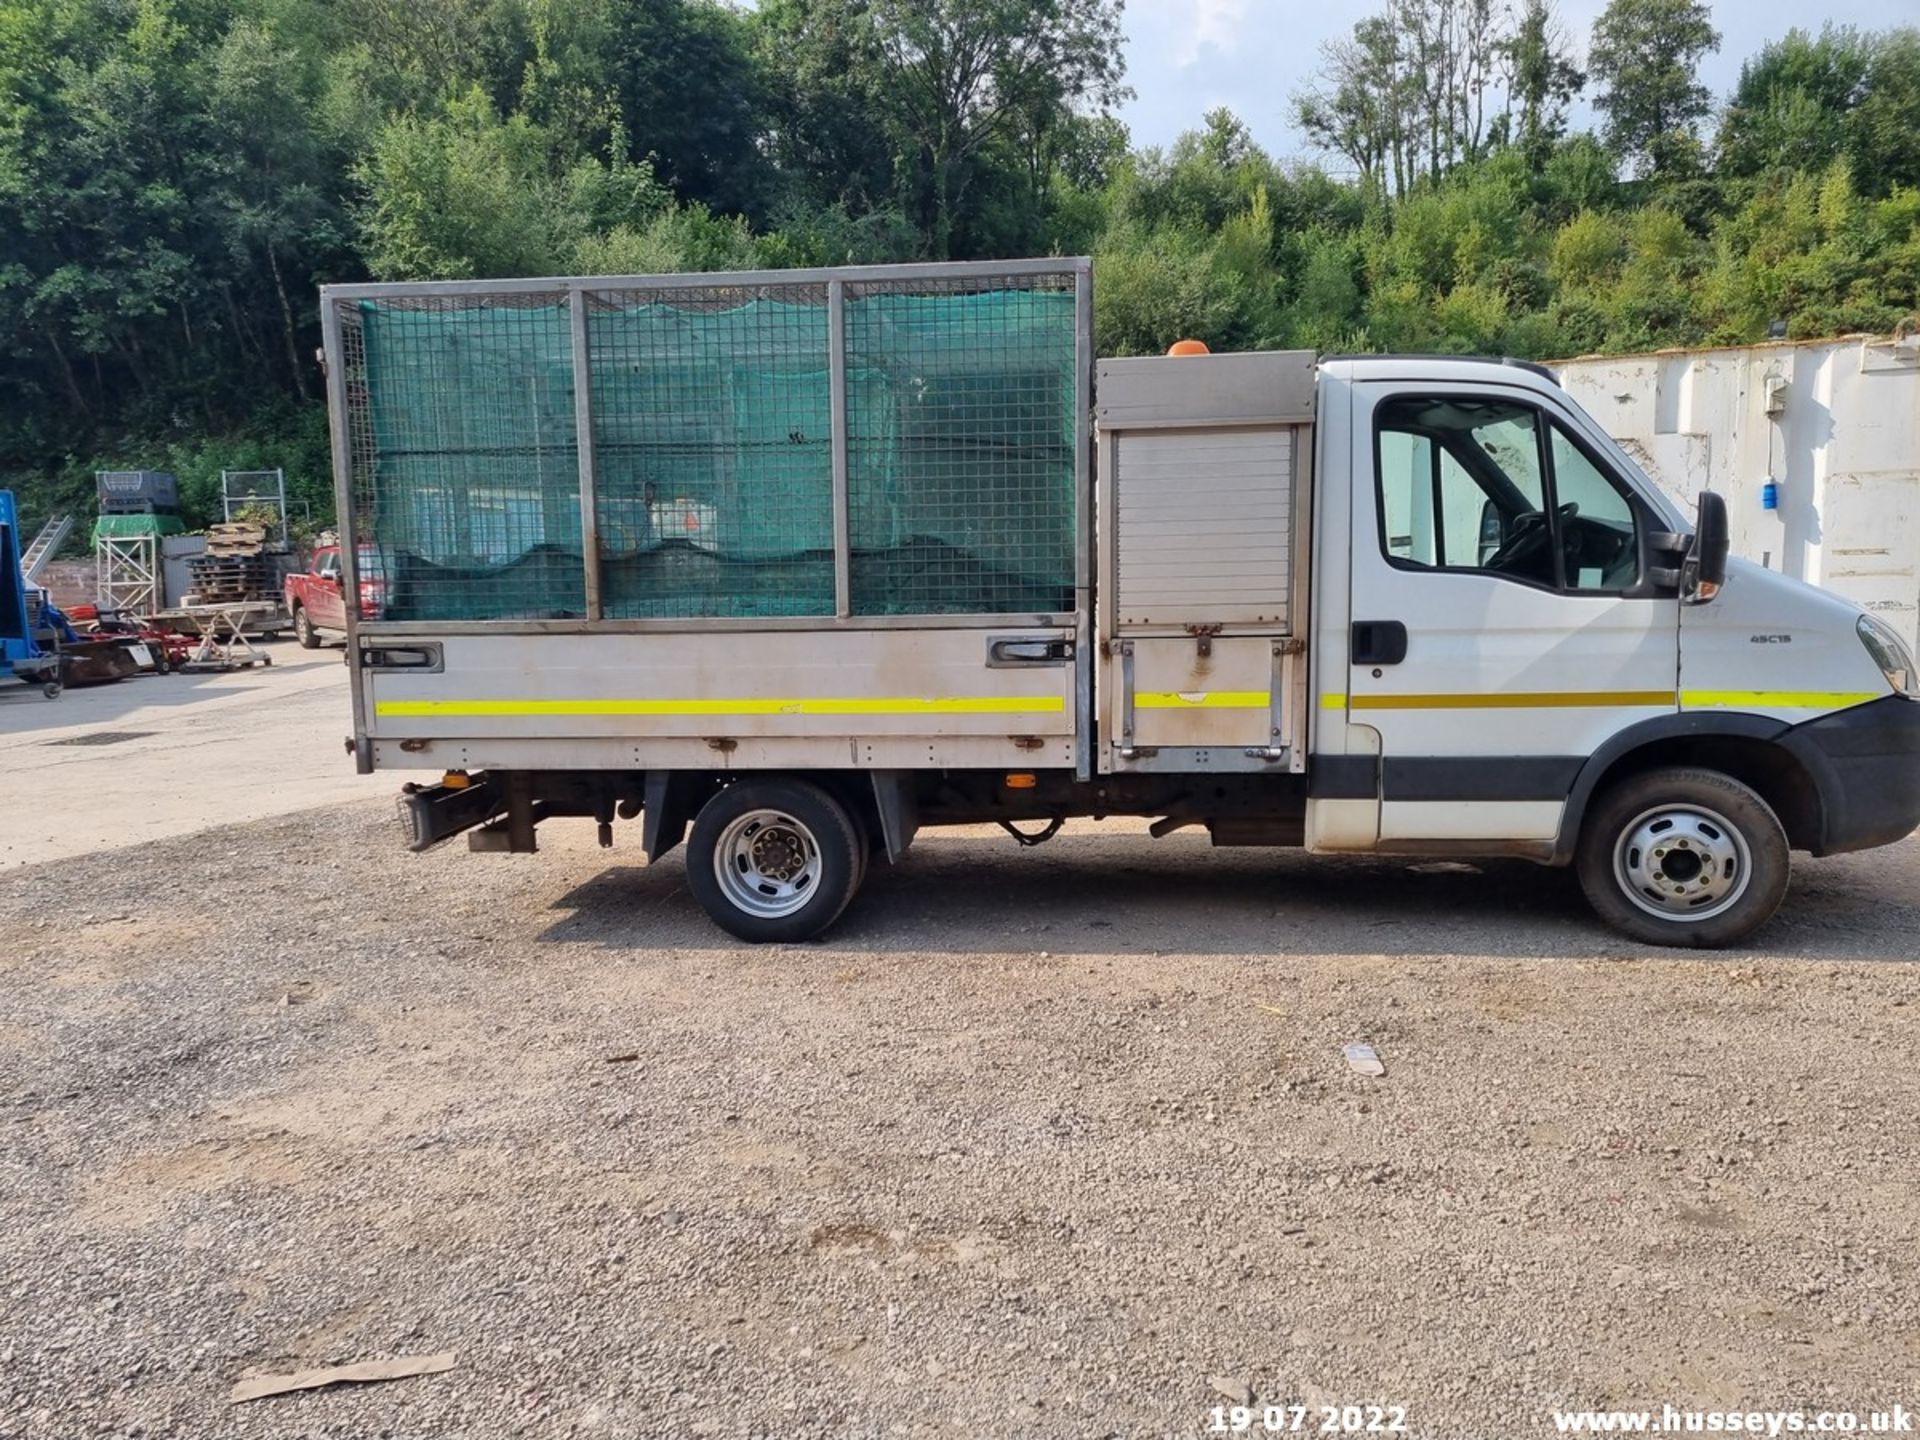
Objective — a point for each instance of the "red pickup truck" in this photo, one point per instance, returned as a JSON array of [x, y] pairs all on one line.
[[314, 601]]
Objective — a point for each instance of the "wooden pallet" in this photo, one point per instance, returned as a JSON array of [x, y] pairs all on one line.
[[226, 579]]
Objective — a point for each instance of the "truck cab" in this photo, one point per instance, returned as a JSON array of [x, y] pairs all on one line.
[[1519, 659], [949, 567]]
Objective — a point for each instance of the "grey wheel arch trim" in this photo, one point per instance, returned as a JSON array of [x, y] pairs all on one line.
[[1698, 725]]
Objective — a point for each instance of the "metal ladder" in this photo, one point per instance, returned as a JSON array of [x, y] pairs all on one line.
[[52, 535]]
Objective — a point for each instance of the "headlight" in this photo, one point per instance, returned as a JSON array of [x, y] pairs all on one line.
[[1890, 653]]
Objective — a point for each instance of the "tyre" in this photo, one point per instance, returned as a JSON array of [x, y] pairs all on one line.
[[774, 860], [866, 838], [1683, 857], [303, 630]]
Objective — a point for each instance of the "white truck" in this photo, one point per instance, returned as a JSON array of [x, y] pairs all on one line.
[[790, 565]]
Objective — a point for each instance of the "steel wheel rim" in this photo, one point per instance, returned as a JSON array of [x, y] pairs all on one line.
[[1682, 862], [768, 864]]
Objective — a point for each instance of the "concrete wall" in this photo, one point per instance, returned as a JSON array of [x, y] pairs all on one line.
[[1835, 423]]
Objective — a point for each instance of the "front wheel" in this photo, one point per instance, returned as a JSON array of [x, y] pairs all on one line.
[[774, 860], [1683, 857]]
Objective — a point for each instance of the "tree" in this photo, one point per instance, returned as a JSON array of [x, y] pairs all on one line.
[[1450, 48], [1476, 50], [690, 94], [1361, 112], [468, 194], [458, 195], [425, 50], [1883, 132], [1408, 91], [1541, 80], [1789, 110], [958, 76], [277, 187], [1161, 287], [824, 92], [1646, 55]]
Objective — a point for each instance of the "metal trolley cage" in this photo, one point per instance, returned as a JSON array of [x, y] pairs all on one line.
[[242, 490], [547, 439]]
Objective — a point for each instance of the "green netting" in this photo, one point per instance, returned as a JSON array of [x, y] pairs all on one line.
[[961, 450], [713, 453], [713, 450], [131, 527], [476, 514]]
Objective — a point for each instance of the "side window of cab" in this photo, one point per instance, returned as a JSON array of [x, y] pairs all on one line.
[[1494, 486]]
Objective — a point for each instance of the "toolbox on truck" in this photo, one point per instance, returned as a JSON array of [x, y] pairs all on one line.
[[1204, 467]]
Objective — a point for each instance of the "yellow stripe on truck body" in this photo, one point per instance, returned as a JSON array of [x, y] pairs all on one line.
[[1520, 700], [1625, 699], [1214, 700], [742, 705], [1774, 699]]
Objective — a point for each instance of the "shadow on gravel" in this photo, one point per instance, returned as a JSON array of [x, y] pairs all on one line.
[[1124, 894]]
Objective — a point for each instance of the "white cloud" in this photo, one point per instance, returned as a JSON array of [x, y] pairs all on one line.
[[1210, 25]]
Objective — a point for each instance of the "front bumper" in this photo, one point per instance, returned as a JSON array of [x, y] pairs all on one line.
[[1865, 764]]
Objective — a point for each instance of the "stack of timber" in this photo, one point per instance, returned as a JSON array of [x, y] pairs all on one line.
[[236, 537]]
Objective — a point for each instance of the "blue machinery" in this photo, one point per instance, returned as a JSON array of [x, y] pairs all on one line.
[[20, 654]]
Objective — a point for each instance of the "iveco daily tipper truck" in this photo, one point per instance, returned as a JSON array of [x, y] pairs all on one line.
[[789, 565]]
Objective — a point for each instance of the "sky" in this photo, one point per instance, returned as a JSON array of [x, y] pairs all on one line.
[[1185, 57]]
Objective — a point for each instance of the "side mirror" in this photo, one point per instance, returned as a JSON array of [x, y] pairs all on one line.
[[1706, 568], [1493, 531]]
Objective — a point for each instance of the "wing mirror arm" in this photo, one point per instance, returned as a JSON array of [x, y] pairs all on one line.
[[1705, 569]]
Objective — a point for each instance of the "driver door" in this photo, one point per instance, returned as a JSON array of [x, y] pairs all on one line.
[[1504, 621], [324, 596]]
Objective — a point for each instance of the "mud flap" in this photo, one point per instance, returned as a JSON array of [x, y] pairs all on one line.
[[673, 798], [899, 811]]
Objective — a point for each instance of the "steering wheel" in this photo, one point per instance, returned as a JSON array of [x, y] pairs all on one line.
[[1529, 537]]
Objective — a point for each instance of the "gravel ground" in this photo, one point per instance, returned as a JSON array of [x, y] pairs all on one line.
[[1035, 1144]]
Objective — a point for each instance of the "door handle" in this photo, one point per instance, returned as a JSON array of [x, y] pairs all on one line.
[[1378, 642], [1013, 651]]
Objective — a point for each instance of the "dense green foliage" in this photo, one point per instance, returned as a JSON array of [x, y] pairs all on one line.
[[176, 177]]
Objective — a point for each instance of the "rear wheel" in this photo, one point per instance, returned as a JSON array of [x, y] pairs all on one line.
[[303, 630], [774, 860], [1683, 857]]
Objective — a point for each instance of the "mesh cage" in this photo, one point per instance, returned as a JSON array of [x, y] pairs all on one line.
[[713, 454], [961, 415], [466, 472], [713, 451]]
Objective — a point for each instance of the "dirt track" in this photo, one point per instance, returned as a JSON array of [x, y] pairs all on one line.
[[1037, 1143]]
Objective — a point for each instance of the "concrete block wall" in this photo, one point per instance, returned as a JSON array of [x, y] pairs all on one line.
[[71, 582]]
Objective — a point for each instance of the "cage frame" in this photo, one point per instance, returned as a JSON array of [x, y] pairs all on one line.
[[334, 299]]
